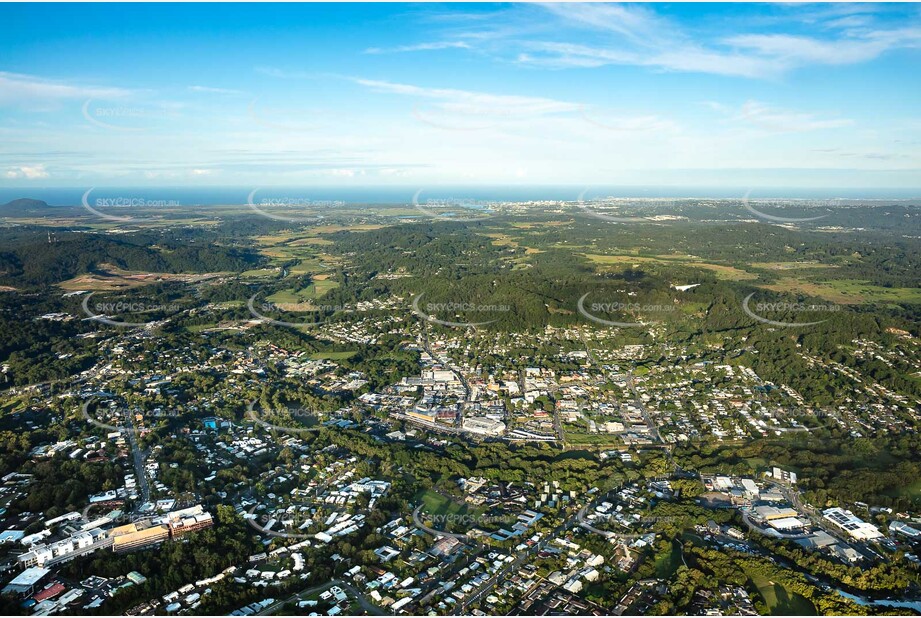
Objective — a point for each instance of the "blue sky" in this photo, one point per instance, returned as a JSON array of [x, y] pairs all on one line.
[[778, 95]]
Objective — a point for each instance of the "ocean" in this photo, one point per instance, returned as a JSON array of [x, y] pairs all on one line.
[[210, 196]]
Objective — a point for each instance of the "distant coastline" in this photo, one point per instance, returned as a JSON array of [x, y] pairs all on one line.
[[390, 194]]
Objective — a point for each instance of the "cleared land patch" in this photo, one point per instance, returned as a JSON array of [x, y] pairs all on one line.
[[722, 271]]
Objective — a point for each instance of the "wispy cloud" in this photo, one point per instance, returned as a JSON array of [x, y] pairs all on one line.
[[789, 51], [34, 92], [595, 35], [778, 120], [283, 73], [210, 90], [419, 47], [569, 55], [474, 102]]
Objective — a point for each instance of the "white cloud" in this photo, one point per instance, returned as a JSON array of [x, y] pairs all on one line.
[[28, 172], [342, 173]]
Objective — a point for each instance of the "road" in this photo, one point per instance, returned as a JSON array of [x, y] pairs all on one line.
[[137, 455], [140, 472], [793, 496], [653, 428], [512, 567], [426, 345], [650, 422], [365, 604]]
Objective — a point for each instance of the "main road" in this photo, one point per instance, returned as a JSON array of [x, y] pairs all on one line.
[[513, 566]]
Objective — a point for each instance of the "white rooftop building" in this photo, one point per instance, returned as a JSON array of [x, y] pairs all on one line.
[[853, 525]]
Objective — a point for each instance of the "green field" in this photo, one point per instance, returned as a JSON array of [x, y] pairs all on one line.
[[333, 355], [591, 439], [319, 288], [436, 504], [667, 563], [722, 271], [779, 601], [791, 265], [260, 272], [307, 266], [846, 291], [912, 491], [315, 290]]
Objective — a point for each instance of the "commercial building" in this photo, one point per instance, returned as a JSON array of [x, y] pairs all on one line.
[[853, 525], [787, 523], [25, 582], [768, 513], [897, 526], [751, 489], [77, 544], [427, 415], [784, 475], [188, 520], [141, 538], [484, 426]]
